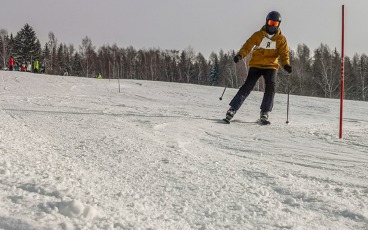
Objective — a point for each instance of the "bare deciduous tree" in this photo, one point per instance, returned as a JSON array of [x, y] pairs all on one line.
[[4, 40], [87, 52]]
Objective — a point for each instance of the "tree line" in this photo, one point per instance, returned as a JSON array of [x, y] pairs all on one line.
[[315, 73]]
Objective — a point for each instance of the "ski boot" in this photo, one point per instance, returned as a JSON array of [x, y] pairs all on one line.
[[229, 115], [264, 119]]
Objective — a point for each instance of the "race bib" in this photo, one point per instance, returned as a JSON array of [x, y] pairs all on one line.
[[268, 44]]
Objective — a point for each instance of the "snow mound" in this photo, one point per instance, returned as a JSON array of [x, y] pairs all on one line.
[[76, 209]]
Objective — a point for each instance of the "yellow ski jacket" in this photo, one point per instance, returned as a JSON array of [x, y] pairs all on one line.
[[36, 65], [266, 51]]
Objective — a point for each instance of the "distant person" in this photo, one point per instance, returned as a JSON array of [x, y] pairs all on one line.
[[11, 63], [43, 67], [29, 67], [16, 66], [99, 76], [23, 68], [36, 66], [266, 46]]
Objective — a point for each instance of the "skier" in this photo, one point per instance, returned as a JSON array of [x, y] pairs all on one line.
[[36, 66], [23, 67], [43, 67], [29, 67], [11, 63], [266, 46]]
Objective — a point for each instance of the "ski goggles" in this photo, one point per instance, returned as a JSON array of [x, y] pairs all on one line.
[[273, 23]]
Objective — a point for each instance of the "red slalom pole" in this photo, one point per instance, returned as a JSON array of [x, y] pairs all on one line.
[[342, 72]]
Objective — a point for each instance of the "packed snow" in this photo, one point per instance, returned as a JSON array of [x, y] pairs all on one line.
[[75, 153]]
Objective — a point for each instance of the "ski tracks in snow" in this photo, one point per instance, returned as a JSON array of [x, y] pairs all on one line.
[[87, 157]]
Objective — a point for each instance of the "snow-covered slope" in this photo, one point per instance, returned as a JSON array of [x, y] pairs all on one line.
[[77, 154]]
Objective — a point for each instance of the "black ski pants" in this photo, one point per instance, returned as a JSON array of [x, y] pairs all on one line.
[[254, 74]]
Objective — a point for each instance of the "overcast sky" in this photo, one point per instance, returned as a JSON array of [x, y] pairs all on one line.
[[205, 25]]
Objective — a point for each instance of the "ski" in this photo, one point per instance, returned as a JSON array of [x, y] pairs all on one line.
[[227, 121], [263, 122], [259, 121]]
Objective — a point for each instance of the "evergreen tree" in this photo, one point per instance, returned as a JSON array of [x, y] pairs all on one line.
[[350, 80], [302, 66], [26, 45], [214, 72], [38, 50], [77, 66], [46, 53], [54, 64], [60, 59], [68, 58]]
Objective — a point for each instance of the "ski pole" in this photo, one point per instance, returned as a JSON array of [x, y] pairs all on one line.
[[222, 94], [288, 95], [288, 103]]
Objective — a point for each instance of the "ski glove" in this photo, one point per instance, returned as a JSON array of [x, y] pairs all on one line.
[[288, 68], [237, 58]]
